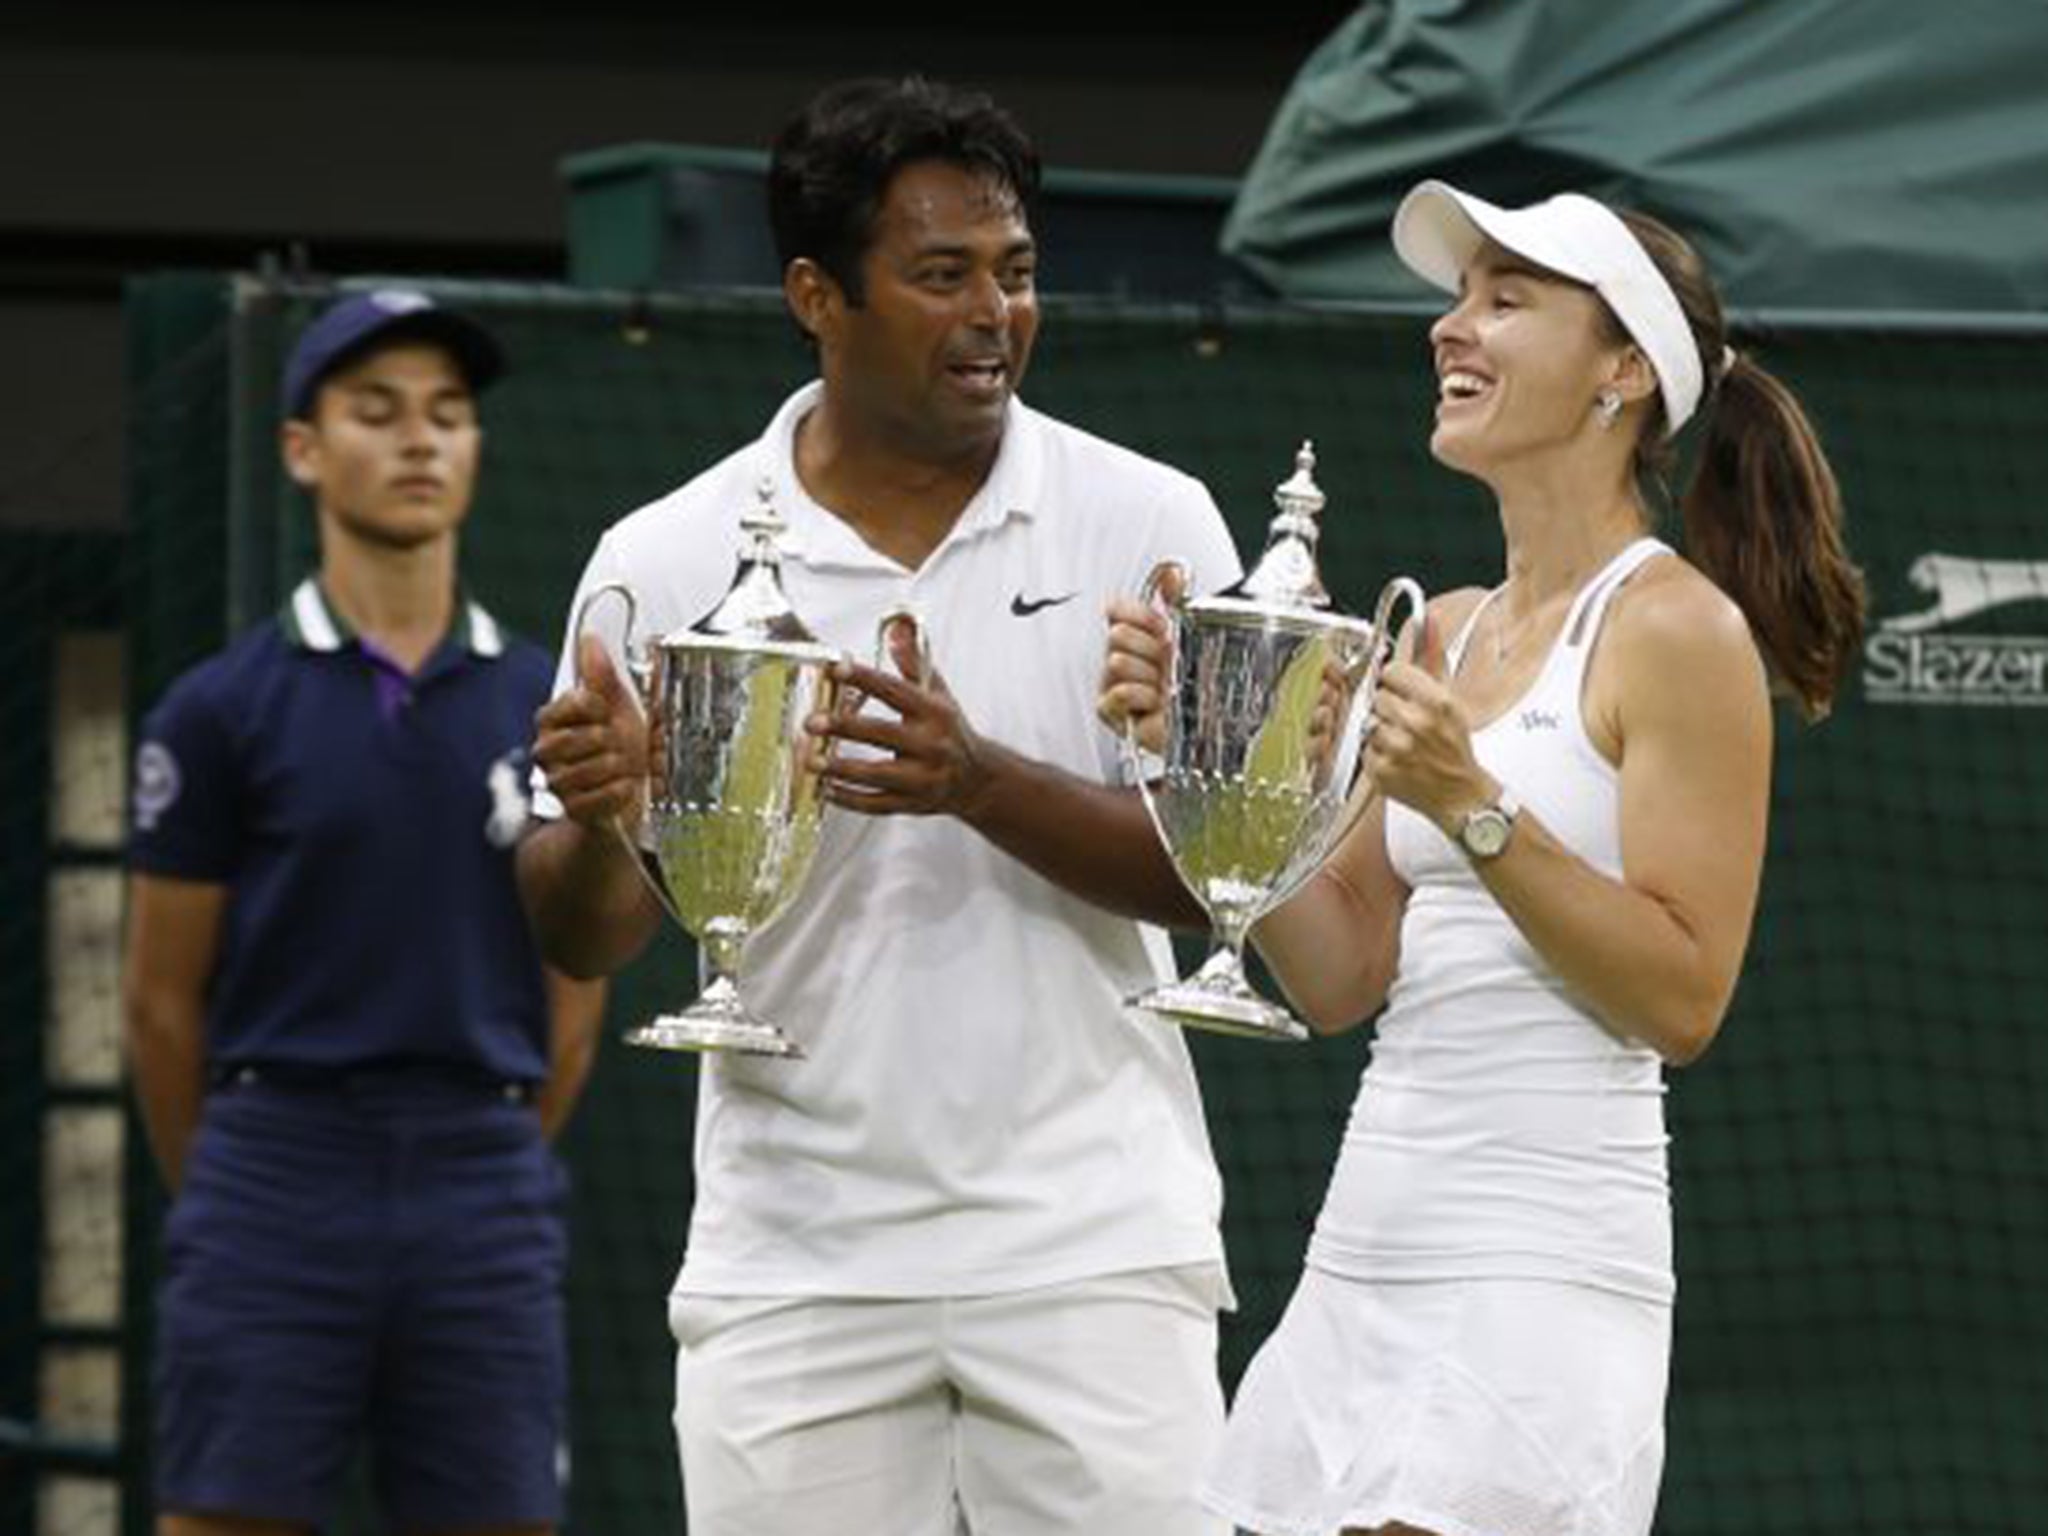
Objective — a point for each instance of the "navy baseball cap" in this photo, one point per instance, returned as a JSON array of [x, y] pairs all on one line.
[[351, 326]]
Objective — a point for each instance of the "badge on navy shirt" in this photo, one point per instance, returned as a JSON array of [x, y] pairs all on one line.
[[511, 805], [157, 783]]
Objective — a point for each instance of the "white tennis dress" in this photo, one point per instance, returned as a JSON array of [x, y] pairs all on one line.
[[1479, 1345]]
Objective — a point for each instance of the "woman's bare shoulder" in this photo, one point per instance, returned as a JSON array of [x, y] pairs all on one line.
[[1671, 605], [1672, 622]]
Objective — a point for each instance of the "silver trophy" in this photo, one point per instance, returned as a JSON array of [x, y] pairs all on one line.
[[1268, 701], [733, 796]]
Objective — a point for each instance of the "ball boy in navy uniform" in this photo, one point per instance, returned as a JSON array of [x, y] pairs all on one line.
[[347, 1052]]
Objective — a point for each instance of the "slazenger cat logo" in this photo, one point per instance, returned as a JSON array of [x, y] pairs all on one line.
[[1912, 658]]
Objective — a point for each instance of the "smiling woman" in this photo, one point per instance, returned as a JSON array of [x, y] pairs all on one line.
[[1549, 894]]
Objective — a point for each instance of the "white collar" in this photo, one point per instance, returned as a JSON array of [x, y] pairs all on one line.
[[312, 623], [817, 537]]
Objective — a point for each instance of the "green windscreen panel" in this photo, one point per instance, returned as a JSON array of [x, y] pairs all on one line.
[[1860, 1163], [690, 216], [1825, 154]]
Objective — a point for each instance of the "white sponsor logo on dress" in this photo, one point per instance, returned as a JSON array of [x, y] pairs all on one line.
[[1910, 658]]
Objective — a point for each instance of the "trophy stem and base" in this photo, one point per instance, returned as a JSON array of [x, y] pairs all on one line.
[[1219, 999], [717, 1021]]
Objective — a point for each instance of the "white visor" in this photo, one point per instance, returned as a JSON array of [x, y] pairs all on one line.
[[1438, 230]]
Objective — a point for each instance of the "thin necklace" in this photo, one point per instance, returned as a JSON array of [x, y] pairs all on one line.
[[1499, 604], [1500, 625]]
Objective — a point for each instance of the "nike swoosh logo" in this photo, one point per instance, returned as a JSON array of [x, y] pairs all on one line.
[[1024, 607]]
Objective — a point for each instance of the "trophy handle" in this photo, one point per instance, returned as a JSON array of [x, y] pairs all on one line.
[[903, 613], [1153, 595], [849, 699], [1379, 644], [1153, 592], [1382, 637], [640, 671], [638, 667]]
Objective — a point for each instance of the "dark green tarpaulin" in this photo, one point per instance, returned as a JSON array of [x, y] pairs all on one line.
[[1824, 154]]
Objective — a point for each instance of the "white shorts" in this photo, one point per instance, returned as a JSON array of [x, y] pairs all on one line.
[[1087, 1408], [1464, 1407]]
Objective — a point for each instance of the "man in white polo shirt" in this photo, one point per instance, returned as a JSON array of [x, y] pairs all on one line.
[[959, 1267]]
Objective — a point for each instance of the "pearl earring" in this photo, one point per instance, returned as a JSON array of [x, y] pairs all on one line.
[[1608, 404]]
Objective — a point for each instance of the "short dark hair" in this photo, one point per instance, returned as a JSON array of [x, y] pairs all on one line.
[[834, 160]]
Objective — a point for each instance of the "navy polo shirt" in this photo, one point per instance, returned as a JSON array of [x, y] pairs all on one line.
[[364, 822]]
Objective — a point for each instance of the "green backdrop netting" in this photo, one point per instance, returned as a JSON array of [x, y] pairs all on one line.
[[1860, 1162]]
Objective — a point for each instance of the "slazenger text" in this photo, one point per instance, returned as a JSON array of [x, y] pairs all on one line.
[[1956, 669]]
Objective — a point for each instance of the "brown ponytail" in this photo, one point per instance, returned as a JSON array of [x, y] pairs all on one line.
[[1763, 514]]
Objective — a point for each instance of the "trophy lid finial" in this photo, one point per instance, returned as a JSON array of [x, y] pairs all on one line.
[[762, 524], [755, 606], [1286, 573], [1299, 495]]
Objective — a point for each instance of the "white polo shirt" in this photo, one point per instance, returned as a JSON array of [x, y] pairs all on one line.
[[977, 1112]]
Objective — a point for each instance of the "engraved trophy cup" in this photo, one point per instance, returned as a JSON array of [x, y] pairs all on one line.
[[733, 794], [1268, 702]]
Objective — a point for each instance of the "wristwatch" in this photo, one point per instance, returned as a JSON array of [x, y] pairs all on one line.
[[1484, 833]]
